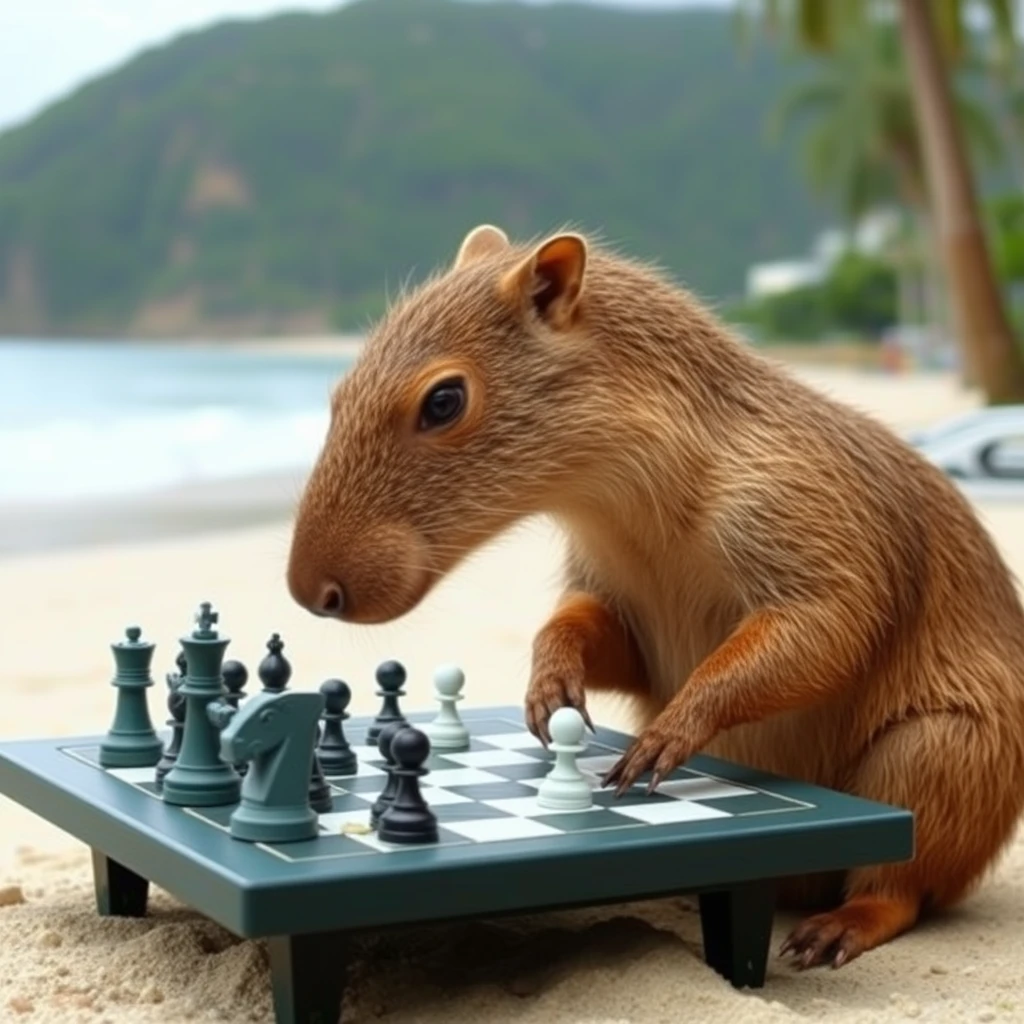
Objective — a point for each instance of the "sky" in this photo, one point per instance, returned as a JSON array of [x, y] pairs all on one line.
[[48, 47]]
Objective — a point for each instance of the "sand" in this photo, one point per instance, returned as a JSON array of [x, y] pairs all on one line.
[[639, 963]]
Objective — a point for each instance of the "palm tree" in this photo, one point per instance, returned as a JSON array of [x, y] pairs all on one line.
[[862, 140], [933, 33], [862, 143]]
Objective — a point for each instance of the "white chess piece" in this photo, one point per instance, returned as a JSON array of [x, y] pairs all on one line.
[[565, 787], [446, 731]]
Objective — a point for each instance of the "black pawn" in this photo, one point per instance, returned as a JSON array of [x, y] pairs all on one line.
[[275, 670], [390, 679], [408, 819], [320, 798], [176, 704], [387, 735], [336, 756], [235, 676]]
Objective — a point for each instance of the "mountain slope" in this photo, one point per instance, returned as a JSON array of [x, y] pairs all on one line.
[[275, 174]]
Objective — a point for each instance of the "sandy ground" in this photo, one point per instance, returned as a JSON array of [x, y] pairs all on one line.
[[640, 963]]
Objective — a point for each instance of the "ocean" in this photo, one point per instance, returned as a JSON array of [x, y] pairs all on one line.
[[84, 419]]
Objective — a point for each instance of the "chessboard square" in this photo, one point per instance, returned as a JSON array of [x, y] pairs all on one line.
[[438, 763], [134, 776], [491, 830], [593, 818], [754, 803], [361, 785], [449, 777], [597, 764], [362, 771], [439, 758], [90, 755], [468, 811], [503, 789], [529, 774], [669, 812], [438, 797], [490, 726], [367, 753], [701, 788], [342, 802], [634, 795], [445, 837], [489, 758], [530, 807], [334, 822], [323, 847], [217, 815], [514, 741]]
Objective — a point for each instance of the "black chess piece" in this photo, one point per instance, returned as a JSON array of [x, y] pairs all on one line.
[[275, 670], [408, 819], [336, 756], [176, 704], [390, 679], [181, 663], [320, 798], [384, 741], [235, 676]]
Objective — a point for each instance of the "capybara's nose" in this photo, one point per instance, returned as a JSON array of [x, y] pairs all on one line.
[[330, 601]]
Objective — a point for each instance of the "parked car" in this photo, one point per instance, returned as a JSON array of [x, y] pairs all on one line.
[[983, 445]]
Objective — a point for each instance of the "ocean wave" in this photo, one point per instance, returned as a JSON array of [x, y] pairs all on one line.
[[68, 458]]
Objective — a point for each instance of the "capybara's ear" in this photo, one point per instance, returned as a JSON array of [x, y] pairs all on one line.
[[485, 240], [551, 279]]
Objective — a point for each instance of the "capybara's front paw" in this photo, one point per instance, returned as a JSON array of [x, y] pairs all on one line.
[[549, 691], [661, 748]]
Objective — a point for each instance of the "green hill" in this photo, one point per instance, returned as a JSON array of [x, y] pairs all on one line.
[[284, 174]]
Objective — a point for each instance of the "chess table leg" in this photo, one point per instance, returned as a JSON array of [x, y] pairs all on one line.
[[737, 927], [307, 975], [119, 891]]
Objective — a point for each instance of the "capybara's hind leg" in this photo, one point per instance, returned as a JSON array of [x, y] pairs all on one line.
[[950, 770]]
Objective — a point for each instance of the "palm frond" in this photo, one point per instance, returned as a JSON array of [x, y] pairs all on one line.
[[804, 100]]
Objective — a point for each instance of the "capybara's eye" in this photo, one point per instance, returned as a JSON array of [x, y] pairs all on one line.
[[444, 404]]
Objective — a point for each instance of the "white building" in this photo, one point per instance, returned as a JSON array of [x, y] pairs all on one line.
[[778, 276]]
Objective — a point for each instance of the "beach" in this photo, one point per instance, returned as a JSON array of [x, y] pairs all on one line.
[[78, 578]]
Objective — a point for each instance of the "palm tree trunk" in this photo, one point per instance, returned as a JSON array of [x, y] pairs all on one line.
[[990, 350]]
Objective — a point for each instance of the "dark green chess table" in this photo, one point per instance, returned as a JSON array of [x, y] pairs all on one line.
[[716, 829]]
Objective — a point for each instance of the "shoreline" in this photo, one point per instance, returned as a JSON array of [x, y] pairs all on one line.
[[194, 509], [223, 503]]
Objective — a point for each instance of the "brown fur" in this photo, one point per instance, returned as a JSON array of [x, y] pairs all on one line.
[[769, 575]]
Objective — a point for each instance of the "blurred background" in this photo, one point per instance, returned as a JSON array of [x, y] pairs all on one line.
[[203, 206]]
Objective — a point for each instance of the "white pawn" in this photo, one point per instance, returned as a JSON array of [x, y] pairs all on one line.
[[446, 731], [565, 787]]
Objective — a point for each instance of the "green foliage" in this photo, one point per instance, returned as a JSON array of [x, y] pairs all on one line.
[[1007, 234], [860, 296], [308, 163]]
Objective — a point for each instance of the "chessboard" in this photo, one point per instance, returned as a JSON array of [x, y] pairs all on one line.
[[487, 794], [720, 830]]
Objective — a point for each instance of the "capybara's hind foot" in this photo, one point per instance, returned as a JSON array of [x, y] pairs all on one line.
[[841, 935]]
